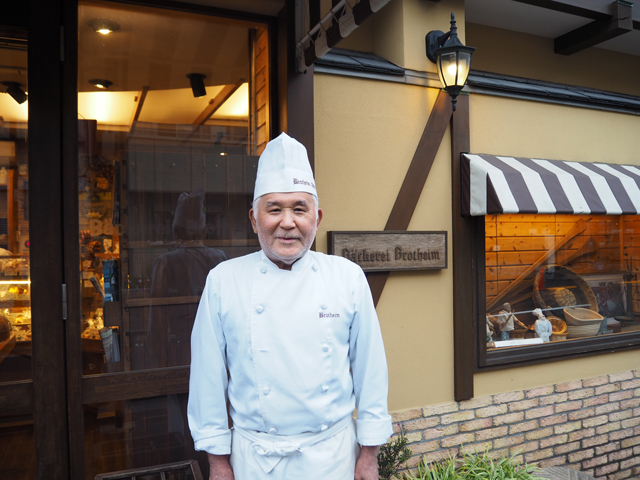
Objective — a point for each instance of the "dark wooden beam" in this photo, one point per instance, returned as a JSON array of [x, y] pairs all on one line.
[[47, 246], [581, 8], [415, 179], [464, 291], [295, 90], [314, 12], [216, 102], [596, 32]]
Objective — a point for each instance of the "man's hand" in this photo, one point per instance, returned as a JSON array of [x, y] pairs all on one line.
[[219, 468], [367, 464]]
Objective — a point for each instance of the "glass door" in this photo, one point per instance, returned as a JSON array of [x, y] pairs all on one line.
[[173, 111], [17, 444]]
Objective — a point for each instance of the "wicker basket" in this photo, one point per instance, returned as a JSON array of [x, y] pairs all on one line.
[[562, 278], [559, 326], [579, 317], [583, 331]]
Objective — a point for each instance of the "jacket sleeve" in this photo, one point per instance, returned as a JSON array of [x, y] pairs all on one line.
[[369, 369], [207, 408]]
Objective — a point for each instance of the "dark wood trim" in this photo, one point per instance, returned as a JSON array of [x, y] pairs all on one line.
[[596, 32], [16, 398], [580, 8], [415, 179], [45, 225], [69, 233], [464, 291], [553, 352], [421, 163], [110, 387], [198, 8], [295, 90]]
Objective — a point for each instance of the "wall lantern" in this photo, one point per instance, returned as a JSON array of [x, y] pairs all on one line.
[[452, 58]]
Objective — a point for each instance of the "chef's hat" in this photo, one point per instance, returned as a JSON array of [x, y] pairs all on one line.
[[190, 213], [284, 167]]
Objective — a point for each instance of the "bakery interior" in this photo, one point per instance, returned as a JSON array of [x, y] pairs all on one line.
[[580, 270]]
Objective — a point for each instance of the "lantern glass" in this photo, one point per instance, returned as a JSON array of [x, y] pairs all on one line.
[[453, 68]]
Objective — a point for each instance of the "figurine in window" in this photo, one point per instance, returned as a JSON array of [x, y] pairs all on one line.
[[507, 321], [542, 327]]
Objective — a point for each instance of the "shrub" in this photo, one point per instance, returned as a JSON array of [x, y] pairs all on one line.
[[392, 457], [474, 466]]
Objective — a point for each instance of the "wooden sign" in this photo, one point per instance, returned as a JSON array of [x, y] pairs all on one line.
[[391, 250]]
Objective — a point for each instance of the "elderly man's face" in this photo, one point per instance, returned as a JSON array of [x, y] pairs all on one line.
[[286, 224]]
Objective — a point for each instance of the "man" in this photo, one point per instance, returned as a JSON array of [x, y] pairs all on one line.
[[291, 338], [507, 322]]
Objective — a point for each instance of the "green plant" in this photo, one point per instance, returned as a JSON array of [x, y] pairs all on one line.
[[474, 466], [392, 456]]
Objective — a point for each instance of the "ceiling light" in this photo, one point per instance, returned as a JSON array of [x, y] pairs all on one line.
[[103, 26], [17, 93], [197, 84], [100, 83]]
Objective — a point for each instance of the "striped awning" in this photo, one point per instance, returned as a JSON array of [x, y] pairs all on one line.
[[494, 184]]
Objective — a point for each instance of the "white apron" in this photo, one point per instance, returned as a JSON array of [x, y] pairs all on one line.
[[326, 455]]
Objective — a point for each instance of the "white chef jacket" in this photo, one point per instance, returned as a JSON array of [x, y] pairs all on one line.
[[302, 348]]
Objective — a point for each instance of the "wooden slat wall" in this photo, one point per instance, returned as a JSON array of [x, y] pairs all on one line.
[[261, 89], [514, 242]]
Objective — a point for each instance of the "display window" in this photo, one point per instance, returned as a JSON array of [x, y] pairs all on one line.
[[560, 278]]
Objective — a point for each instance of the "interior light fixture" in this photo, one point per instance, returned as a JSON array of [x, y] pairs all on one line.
[[197, 84], [101, 83], [15, 90], [103, 26], [452, 57]]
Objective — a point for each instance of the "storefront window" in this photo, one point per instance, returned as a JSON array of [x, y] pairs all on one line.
[[560, 278], [173, 112], [16, 428]]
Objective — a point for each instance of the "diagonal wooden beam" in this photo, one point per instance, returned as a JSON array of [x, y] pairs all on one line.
[[216, 102], [596, 32], [142, 96], [414, 181]]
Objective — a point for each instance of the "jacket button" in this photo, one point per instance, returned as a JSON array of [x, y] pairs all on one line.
[[324, 388], [263, 270], [273, 430], [323, 306], [314, 268], [325, 348], [323, 427], [266, 390], [259, 309]]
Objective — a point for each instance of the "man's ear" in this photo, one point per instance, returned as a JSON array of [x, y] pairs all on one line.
[[319, 217], [253, 221]]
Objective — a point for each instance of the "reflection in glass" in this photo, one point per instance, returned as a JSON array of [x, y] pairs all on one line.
[[138, 433], [165, 175], [575, 274]]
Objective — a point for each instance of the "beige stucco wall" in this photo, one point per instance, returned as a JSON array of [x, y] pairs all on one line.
[[530, 56], [366, 133]]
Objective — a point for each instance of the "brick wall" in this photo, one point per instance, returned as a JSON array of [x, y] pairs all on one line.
[[592, 425]]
